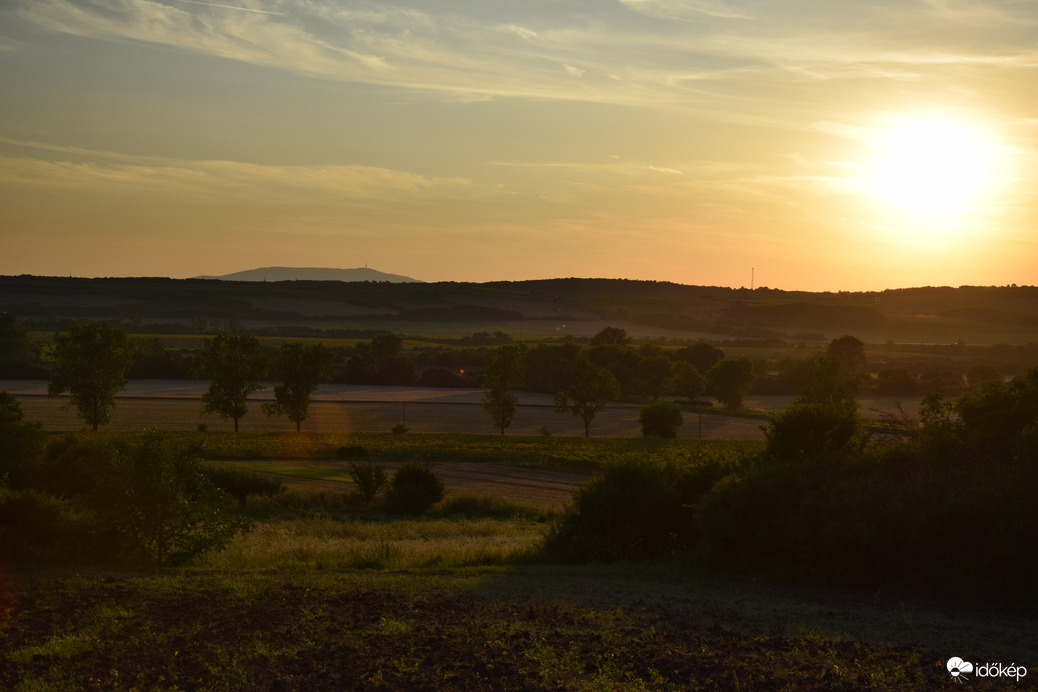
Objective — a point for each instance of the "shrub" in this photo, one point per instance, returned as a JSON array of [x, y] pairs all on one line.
[[635, 510], [369, 477], [157, 503], [661, 419], [35, 525], [487, 506], [809, 428], [399, 429], [241, 484], [21, 443], [351, 452], [416, 488]]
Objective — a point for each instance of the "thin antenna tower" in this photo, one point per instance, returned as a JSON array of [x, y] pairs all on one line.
[[751, 277]]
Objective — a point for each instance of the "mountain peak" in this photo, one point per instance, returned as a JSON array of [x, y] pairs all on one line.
[[311, 274]]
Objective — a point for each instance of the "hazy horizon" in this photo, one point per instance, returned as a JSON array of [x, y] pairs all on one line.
[[822, 146]]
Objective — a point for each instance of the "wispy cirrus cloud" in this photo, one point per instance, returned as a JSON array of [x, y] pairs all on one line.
[[486, 53], [687, 9], [714, 67], [84, 169]]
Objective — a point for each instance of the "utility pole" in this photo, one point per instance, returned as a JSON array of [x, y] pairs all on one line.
[[751, 277]]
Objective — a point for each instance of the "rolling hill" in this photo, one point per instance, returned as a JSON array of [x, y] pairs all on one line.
[[551, 308]]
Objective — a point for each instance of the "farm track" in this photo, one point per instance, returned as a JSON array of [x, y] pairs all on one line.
[[547, 488]]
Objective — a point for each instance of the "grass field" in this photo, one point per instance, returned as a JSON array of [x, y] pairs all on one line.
[[325, 594]]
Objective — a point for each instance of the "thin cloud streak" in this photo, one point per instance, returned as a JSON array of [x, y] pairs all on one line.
[[211, 178], [229, 7]]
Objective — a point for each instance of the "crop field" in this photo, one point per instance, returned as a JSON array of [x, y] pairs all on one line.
[[176, 405]]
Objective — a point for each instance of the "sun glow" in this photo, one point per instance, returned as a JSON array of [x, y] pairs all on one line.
[[932, 166]]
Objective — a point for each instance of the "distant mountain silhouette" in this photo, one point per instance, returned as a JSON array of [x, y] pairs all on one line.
[[312, 274]]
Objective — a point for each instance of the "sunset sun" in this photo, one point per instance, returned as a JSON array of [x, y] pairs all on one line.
[[932, 166]]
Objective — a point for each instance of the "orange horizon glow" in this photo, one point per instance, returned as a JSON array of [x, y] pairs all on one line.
[[671, 140]]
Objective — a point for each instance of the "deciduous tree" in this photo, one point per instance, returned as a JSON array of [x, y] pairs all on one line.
[[90, 363], [729, 380], [300, 369], [235, 363], [593, 387], [156, 498], [504, 373], [686, 380], [500, 405]]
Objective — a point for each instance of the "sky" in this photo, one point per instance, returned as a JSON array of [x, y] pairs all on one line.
[[815, 145]]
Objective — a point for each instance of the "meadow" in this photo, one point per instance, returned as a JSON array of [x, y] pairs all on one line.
[[327, 593]]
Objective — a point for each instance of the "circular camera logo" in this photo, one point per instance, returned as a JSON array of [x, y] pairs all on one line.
[[958, 668]]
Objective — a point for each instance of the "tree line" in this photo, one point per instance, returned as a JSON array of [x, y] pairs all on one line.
[[93, 361]]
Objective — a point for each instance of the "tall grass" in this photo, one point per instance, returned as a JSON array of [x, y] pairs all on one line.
[[325, 543]]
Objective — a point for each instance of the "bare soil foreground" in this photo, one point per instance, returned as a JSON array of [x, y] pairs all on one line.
[[525, 628], [176, 405]]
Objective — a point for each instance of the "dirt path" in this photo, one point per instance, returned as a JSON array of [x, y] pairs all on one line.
[[547, 488]]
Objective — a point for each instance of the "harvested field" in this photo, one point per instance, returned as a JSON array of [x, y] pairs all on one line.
[[176, 405]]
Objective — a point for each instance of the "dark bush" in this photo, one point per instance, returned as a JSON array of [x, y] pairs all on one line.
[[351, 452], [415, 488], [661, 419], [635, 510], [809, 428], [155, 500], [71, 465], [369, 477], [487, 506], [21, 443], [241, 484], [34, 525]]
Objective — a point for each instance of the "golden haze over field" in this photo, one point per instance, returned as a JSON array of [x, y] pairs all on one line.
[[829, 146]]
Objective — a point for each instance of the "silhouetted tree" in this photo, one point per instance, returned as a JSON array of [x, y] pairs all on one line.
[[550, 367], [652, 375], [300, 369], [729, 380], [500, 405], [15, 342], [152, 360], [593, 387], [90, 363], [21, 443], [157, 500], [896, 380], [235, 363], [381, 361], [686, 380], [700, 354], [504, 373], [848, 352], [611, 335]]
